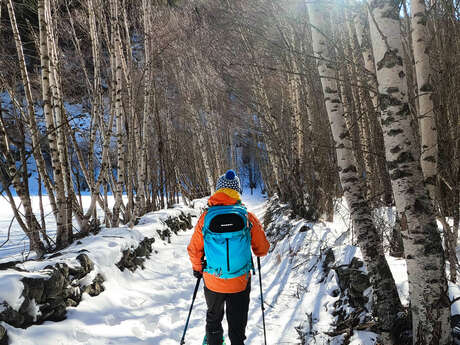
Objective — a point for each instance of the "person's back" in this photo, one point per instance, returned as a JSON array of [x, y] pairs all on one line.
[[222, 235]]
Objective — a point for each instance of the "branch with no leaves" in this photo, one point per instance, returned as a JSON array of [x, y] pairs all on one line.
[[9, 232]]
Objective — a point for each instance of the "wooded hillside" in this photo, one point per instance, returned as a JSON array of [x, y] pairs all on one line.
[[311, 100]]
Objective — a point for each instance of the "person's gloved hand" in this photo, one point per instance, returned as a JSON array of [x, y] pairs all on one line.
[[197, 274]]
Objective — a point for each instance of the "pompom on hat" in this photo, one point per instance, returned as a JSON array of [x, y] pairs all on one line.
[[229, 180]]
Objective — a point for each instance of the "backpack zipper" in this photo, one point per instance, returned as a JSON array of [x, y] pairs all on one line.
[[228, 257]]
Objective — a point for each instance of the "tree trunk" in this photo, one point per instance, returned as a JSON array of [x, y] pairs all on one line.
[[31, 226], [117, 59], [386, 300], [62, 239], [36, 142], [422, 243], [426, 115], [60, 121]]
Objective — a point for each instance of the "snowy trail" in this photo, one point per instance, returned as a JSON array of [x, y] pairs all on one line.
[[150, 306]]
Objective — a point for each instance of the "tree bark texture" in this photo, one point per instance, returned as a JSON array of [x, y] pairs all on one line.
[[426, 115], [422, 242], [386, 301]]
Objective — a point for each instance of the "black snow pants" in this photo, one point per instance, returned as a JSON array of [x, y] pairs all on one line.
[[237, 306]]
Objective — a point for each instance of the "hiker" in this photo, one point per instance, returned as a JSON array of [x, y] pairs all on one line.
[[224, 236]]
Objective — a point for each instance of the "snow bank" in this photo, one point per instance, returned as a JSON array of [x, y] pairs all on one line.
[[301, 258], [104, 250]]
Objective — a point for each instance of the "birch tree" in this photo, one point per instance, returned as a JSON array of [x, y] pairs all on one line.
[[386, 301], [428, 131], [62, 239], [424, 255], [117, 109], [32, 123]]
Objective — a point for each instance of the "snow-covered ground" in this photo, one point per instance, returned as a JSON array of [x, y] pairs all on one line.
[[150, 306], [14, 244]]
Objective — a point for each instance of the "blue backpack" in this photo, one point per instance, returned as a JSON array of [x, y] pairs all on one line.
[[227, 241]]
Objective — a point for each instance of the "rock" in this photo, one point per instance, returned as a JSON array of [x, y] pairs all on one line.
[[77, 272], [164, 234], [359, 282], [86, 263], [343, 275], [56, 283], [125, 261], [138, 262], [328, 260], [182, 222], [356, 263], [142, 251], [52, 294], [134, 258], [54, 310], [12, 317], [96, 287], [358, 301], [73, 292], [34, 289], [3, 336], [352, 282], [70, 302], [338, 304]]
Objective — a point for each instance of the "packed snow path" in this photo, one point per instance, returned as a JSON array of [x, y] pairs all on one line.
[[150, 306]]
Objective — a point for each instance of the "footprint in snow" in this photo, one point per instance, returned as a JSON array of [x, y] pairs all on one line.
[[81, 335]]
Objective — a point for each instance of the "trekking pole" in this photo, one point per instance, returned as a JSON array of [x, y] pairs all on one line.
[[262, 300], [182, 342]]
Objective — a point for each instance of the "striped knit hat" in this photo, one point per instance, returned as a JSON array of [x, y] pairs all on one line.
[[229, 180]]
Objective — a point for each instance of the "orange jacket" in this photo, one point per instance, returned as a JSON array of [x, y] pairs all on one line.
[[259, 244]]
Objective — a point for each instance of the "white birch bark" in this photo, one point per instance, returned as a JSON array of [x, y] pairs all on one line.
[[97, 114], [142, 161], [132, 140], [117, 69], [430, 305], [62, 239], [60, 123], [362, 34], [361, 116], [361, 26], [428, 131], [30, 109], [386, 301]]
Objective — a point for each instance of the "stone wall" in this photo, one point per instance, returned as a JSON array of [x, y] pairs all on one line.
[[52, 294]]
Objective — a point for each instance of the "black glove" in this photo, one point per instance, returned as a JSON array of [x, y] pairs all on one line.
[[197, 274]]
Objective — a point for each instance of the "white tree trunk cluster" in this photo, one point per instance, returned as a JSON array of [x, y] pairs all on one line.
[[424, 255], [386, 302]]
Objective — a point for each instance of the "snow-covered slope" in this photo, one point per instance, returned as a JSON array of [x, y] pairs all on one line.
[[150, 306]]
